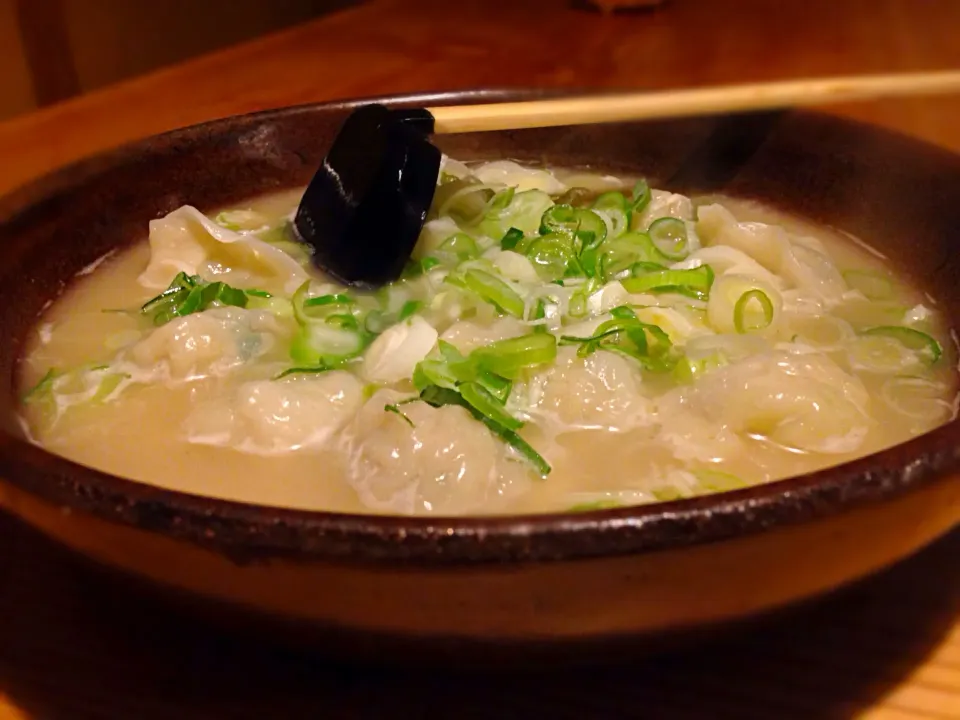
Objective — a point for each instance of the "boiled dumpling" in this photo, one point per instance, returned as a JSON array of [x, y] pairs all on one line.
[[433, 461], [804, 264], [204, 344], [600, 391], [278, 416], [187, 241], [507, 172], [804, 401]]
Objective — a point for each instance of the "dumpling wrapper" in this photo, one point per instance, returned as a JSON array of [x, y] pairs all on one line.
[[188, 241]]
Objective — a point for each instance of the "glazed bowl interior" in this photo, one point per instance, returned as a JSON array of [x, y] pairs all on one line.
[[900, 194]]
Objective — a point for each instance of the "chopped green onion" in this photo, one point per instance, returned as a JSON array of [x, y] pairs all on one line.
[[410, 307], [497, 386], [461, 245], [43, 386], [575, 196], [488, 405], [669, 235], [416, 268], [501, 200], [617, 208], [619, 255], [109, 383], [740, 311], [303, 371], [908, 337], [625, 334], [641, 197], [559, 220], [509, 357], [321, 300], [692, 283], [583, 225], [551, 257], [612, 200], [434, 372], [511, 238], [624, 312], [188, 294], [494, 290]]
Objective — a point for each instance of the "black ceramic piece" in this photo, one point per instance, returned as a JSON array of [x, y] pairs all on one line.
[[365, 207]]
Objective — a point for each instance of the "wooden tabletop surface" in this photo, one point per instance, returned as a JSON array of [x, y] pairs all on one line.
[[889, 649]]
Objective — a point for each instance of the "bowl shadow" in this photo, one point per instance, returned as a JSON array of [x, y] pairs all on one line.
[[75, 644]]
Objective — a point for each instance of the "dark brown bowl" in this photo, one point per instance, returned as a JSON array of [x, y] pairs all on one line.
[[546, 580]]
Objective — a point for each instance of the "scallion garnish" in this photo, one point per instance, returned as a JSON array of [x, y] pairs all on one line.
[[43, 386], [312, 370], [321, 300], [757, 297], [494, 290], [482, 381], [617, 257], [511, 238], [693, 283], [910, 338], [641, 197], [460, 245], [624, 333], [669, 235], [552, 257], [189, 294], [410, 308]]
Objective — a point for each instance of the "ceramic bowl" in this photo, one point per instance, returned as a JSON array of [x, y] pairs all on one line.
[[548, 581]]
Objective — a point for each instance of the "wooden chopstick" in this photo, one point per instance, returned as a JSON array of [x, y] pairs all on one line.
[[585, 110]]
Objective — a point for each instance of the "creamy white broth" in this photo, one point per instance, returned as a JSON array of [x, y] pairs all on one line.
[[195, 405]]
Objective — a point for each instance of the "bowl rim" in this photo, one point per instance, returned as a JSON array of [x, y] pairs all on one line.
[[249, 532]]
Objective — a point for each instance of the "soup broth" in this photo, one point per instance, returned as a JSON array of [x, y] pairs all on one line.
[[559, 341]]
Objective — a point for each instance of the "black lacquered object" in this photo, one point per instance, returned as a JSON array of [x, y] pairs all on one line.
[[363, 211]]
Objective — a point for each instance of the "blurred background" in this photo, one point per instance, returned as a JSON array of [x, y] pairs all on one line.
[[51, 50]]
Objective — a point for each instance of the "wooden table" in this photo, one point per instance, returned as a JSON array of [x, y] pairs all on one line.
[[72, 647]]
